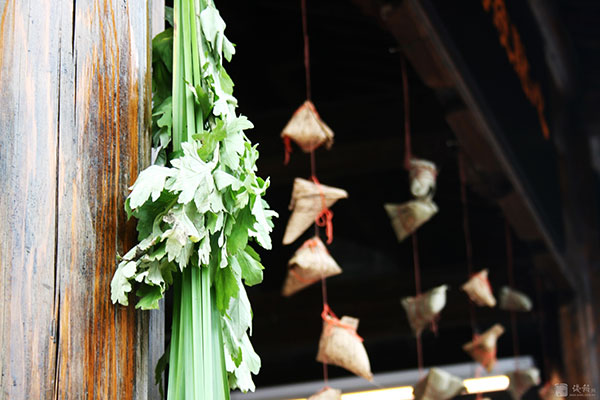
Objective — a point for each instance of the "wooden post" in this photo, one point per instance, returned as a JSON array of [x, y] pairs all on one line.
[[75, 104]]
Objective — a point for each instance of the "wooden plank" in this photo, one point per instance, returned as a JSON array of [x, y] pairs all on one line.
[[28, 122], [156, 323], [404, 25], [102, 352]]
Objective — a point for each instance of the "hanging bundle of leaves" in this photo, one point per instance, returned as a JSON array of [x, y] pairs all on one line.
[[198, 207]]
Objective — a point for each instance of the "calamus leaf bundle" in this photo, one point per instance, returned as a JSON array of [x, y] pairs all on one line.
[[198, 209]]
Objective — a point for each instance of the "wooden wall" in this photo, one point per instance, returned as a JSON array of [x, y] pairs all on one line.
[[74, 110]]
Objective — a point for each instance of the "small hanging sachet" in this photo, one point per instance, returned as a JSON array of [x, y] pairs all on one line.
[[310, 204], [483, 347], [340, 345], [479, 290], [424, 308], [422, 175], [409, 216], [310, 262], [521, 381], [327, 393], [513, 300], [307, 130], [438, 385]]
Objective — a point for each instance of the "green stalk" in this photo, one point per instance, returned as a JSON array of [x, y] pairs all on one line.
[[196, 67], [221, 381], [187, 70], [174, 381], [176, 92], [207, 335]]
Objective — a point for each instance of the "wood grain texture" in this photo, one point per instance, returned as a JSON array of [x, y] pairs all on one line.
[[28, 122], [156, 328], [98, 160], [75, 84]]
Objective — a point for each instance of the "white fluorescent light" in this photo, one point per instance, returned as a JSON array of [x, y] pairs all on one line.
[[487, 384]]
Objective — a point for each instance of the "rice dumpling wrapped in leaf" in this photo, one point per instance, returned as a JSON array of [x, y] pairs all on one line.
[[422, 175], [513, 300], [408, 217], [310, 262], [310, 203], [307, 130], [327, 394], [424, 309], [483, 347], [438, 385], [340, 345], [521, 381], [479, 290]]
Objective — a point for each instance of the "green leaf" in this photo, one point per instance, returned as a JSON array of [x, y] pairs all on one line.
[[228, 49], [149, 211], [150, 183], [240, 312], [262, 227], [238, 238], [192, 174], [226, 287], [162, 48], [149, 297], [119, 285], [169, 15], [201, 98], [161, 366], [223, 180], [252, 269], [212, 23], [232, 346]]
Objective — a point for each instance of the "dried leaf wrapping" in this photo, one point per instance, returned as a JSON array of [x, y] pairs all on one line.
[[327, 394], [307, 129], [422, 175], [483, 347], [422, 310], [438, 385], [310, 262], [521, 381], [513, 300], [308, 200], [341, 346], [407, 217], [479, 290]]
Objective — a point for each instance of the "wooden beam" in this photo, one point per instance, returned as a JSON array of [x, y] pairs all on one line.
[[404, 25], [29, 83], [75, 81]]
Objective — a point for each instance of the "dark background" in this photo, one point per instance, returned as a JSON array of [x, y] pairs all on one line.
[[357, 89]]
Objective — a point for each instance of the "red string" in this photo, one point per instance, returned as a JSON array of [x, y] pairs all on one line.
[[484, 354], [287, 144], [332, 320], [306, 49], [407, 143], [407, 158], [416, 264], [325, 217]]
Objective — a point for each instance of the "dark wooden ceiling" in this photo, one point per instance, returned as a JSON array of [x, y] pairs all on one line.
[[356, 86]]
